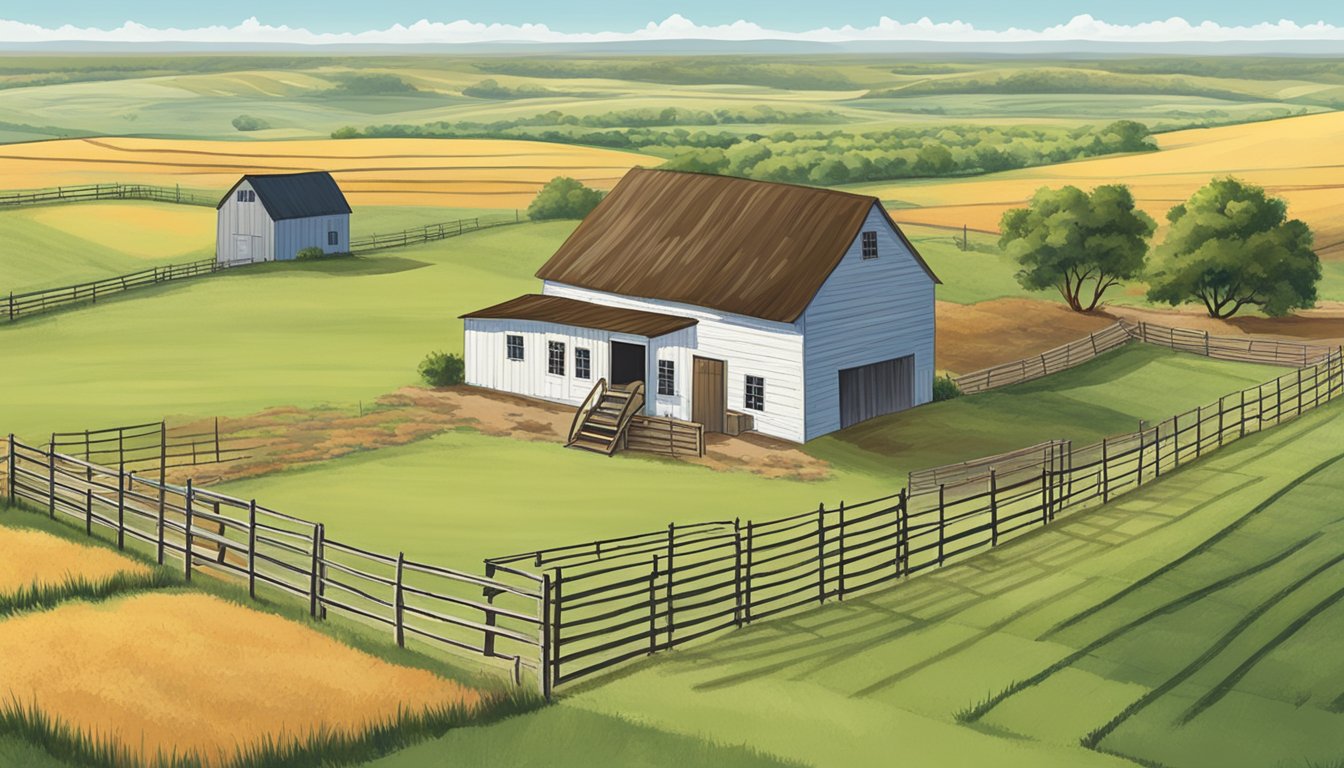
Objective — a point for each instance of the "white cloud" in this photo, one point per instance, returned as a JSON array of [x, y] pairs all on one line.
[[676, 26]]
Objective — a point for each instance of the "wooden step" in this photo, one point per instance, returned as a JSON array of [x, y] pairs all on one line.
[[585, 432], [611, 420], [588, 444]]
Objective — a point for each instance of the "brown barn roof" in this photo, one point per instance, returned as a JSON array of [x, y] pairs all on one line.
[[749, 247], [557, 309]]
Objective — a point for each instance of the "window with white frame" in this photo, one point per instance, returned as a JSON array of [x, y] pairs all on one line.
[[515, 346], [667, 377], [869, 245], [754, 398], [583, 363], [555, 357]]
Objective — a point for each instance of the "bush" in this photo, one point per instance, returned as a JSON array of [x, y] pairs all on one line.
[[564, 198], [250, 123], [372, 85], [440, 369], [310, 253], [945, 388]]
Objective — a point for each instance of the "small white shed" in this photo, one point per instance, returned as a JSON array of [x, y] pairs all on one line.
[[807, 309], [271, 217]]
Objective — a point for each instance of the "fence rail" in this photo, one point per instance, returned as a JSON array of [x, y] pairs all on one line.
[[288, 558], [20, 305], [428, 233], [667, 437], [1242, 349], [149, 447], [623, 598], [87, 192]]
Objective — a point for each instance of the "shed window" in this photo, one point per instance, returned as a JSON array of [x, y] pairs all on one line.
[[755, 394], [583, 363], [870, 245], [247, 196], [515, 346], [555, 357], [667, 377], [242, 195], [251, 196], [333, 238]]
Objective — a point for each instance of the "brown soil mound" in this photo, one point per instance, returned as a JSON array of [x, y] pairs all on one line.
[[975, 336]]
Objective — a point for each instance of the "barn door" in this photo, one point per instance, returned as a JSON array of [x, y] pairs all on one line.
[[875, 390], [709, 395], [242, 248]]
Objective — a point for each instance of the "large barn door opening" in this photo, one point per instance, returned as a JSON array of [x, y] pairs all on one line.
[[877, 389], [242, 247], [709, 395], [627, 363]]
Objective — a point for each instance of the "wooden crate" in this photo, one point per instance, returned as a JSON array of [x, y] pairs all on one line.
[[737, 423]]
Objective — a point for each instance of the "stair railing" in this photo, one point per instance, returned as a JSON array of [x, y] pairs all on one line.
[[632, 407], [594, 397]]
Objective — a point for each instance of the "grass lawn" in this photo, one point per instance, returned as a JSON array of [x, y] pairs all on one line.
[[1208, 584], [277, 334]]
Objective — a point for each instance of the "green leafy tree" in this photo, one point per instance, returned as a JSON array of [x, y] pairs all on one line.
[[564, 198], [1230, 246], [1078, 243]]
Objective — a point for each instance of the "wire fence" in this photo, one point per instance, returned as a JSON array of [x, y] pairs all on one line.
[[623, 598], [283, 557]]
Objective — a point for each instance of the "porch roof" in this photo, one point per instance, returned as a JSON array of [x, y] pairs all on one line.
[[584, 314]]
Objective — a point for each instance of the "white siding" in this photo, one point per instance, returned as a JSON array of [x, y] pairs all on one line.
[[867, 312], [244, 219], [747, 345], [293, 235]]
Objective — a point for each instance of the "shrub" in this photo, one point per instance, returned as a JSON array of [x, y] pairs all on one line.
[[250, 123], [945, 388], [310, 253], [564, 198], [376, 84], [440, 369]]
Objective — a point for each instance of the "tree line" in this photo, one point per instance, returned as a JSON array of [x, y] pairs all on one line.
[[1228, 247]]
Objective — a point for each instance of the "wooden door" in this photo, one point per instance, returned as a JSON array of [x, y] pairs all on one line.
[[709, 394]]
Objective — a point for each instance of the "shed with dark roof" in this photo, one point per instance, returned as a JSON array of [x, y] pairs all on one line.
[[271, 217]]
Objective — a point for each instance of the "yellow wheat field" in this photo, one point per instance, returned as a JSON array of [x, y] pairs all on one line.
[[34, 557], [1300, 159], [475, 173], [188, 672]]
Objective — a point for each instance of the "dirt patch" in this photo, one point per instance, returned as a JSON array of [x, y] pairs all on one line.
[[34, 557], [193, 673], [975, 336], [282, 438]]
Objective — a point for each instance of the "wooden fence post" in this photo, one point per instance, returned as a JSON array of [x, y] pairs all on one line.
[[1045, 495], [746, 586], [942, 521], [252, 549], [1221, 411], [840, 559], [313, 576], [399, 607], [903, 529], [186, 554], [88, 511], [557, 605], [821, 553], [543, 666], [1139, 474], [9, 469], [1241, 414], [737, 572], [653, 607], [163, 473], [994, 507], [1105, 473], [671, 570]]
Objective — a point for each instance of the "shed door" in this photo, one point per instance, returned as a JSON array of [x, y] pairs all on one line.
[[242, 247], [709, 396], [873, 390]]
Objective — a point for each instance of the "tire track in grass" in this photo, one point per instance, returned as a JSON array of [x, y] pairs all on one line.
[[1199, 549], [978, 711], [1094, 738], [1224, 686]]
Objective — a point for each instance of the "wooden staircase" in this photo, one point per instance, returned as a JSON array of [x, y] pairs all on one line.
[[600, 423]]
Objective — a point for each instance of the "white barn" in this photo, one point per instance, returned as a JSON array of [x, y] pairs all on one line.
[[806, 308], [271, 217]]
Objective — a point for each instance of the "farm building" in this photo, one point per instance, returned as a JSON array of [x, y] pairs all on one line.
[[806, 310], [271, 217]]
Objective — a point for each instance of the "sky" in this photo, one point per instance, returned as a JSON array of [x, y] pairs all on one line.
[[387, 21]]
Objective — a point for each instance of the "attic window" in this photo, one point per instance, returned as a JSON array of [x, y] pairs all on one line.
[[247, 196], [869, 245]]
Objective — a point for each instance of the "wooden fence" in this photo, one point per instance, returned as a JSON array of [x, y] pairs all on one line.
[[87, 192], [1060, 358], [623, 598], [288, 557], [429, 233], [1243, 349], [149, 447], [20, 305], [667, 437]]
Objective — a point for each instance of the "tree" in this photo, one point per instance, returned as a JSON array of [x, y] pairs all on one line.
[[1231, 245], [1081, 244], [564, 198], [250, 123]]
